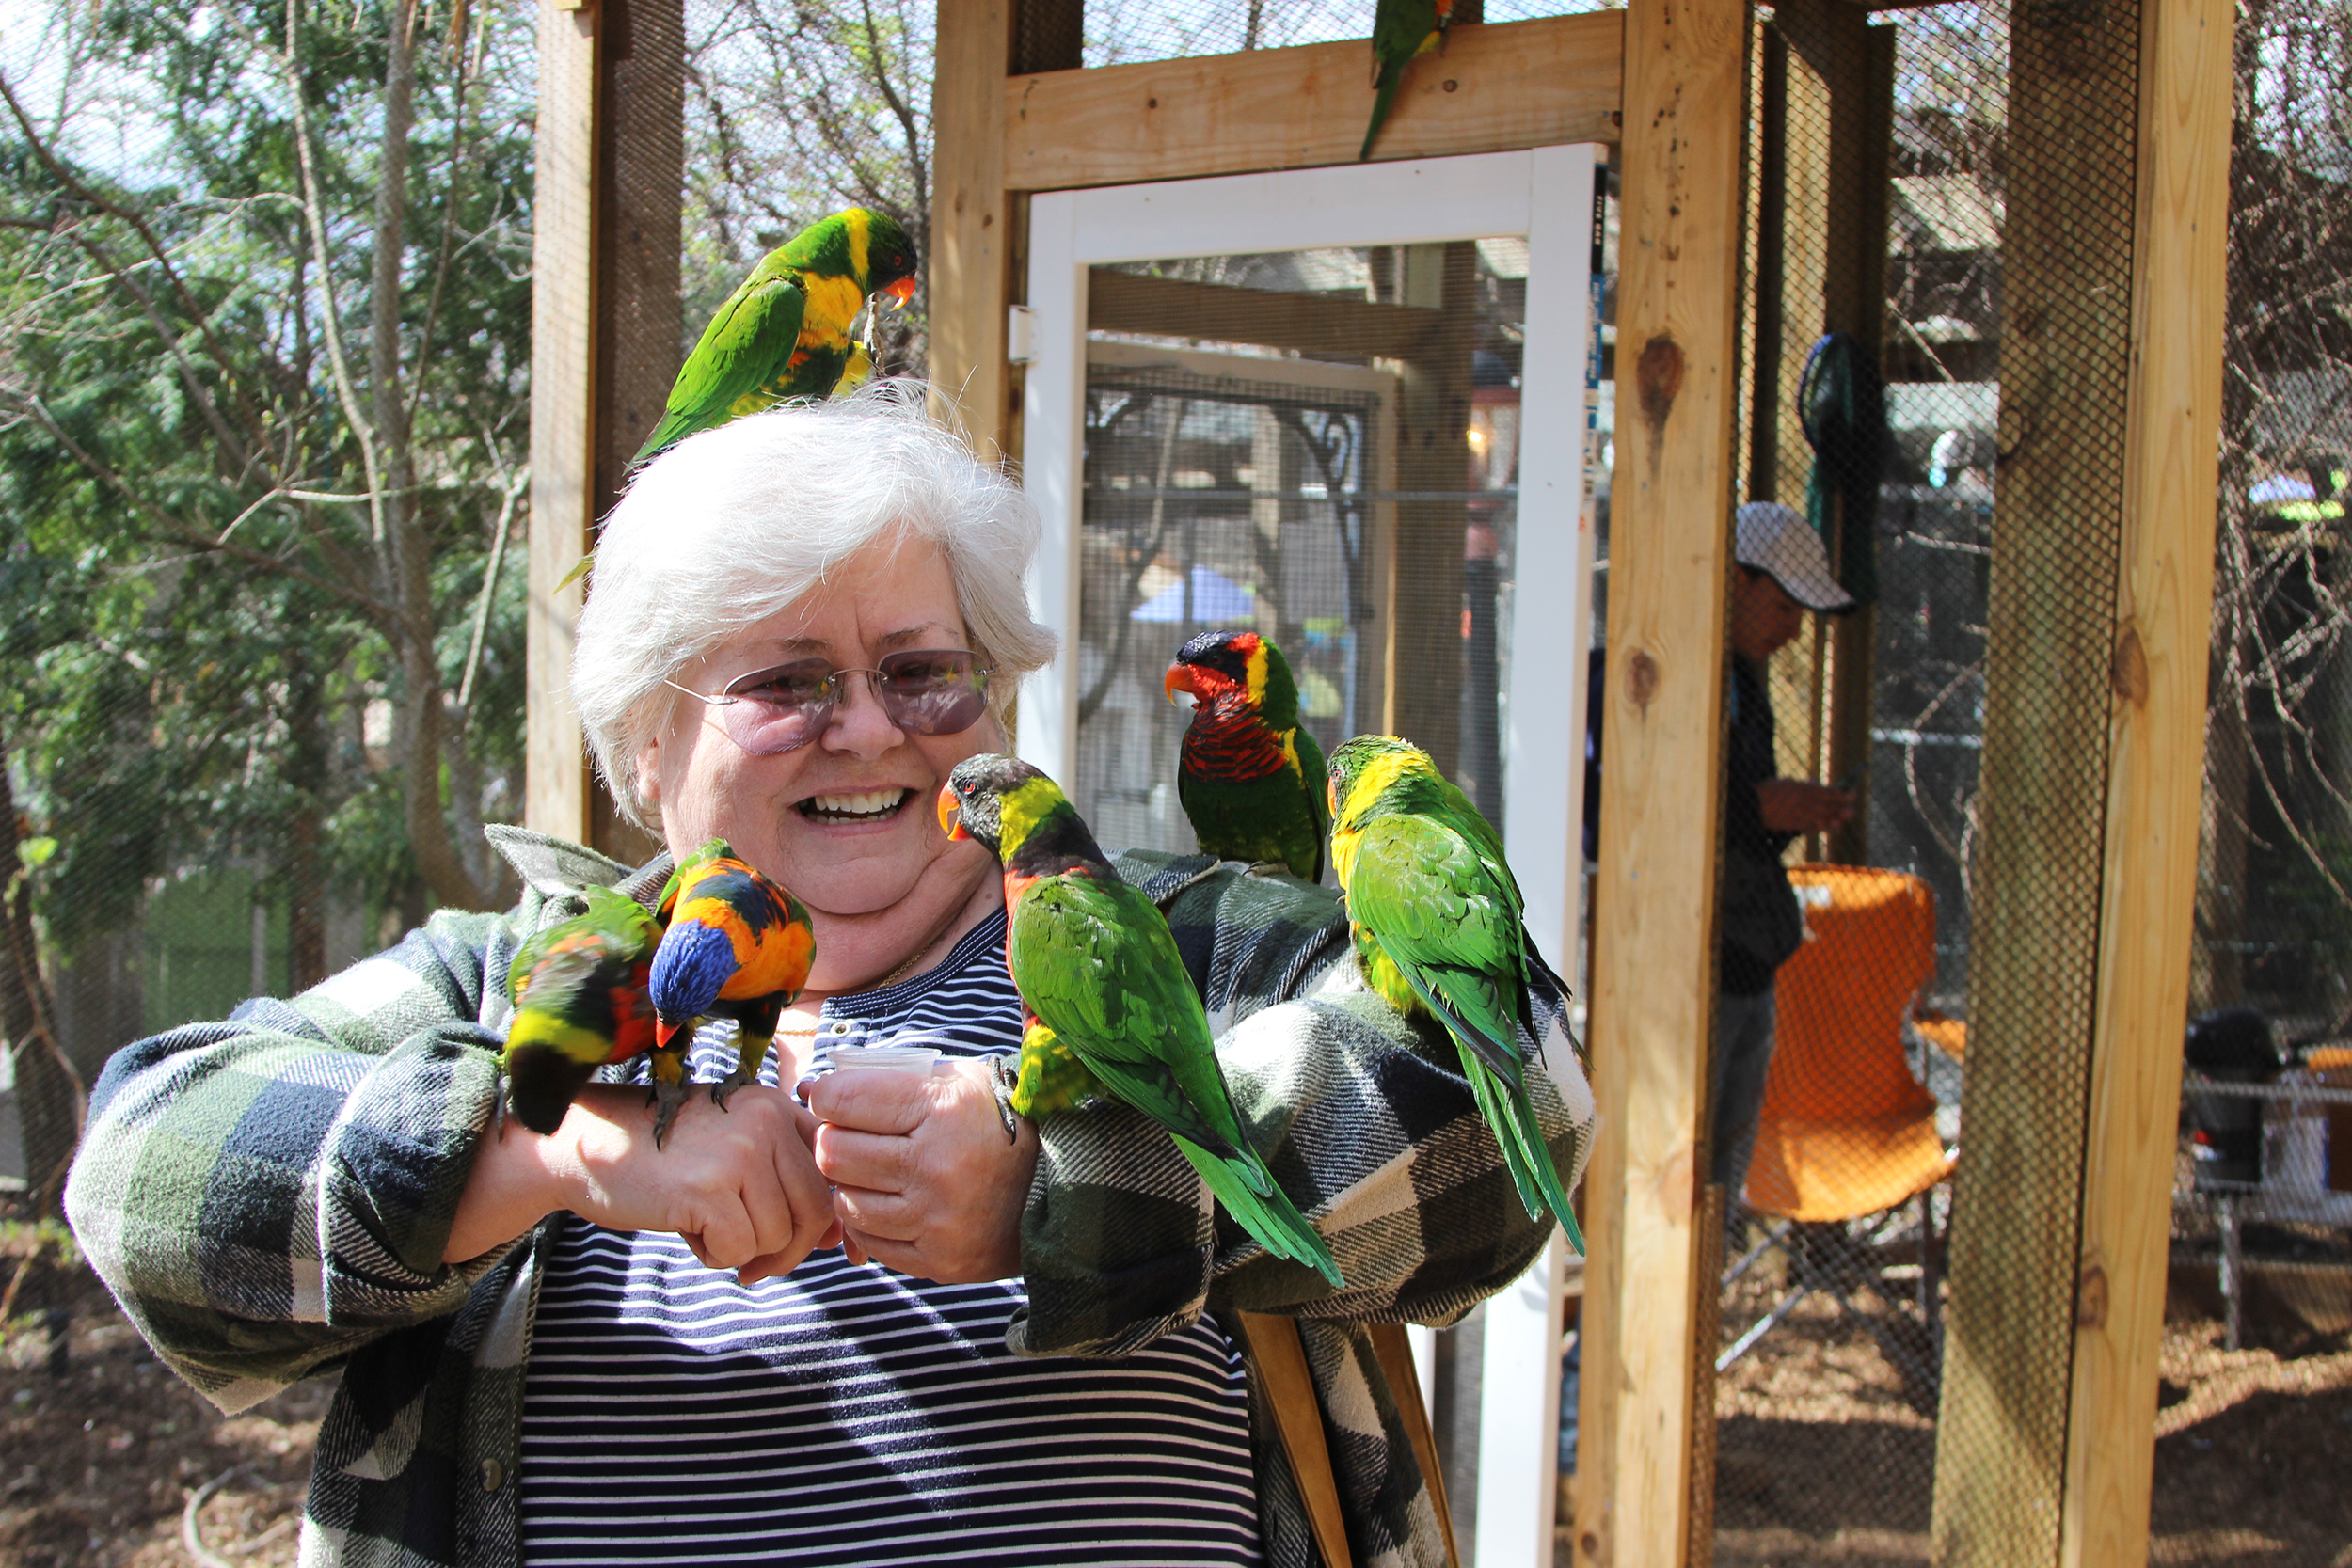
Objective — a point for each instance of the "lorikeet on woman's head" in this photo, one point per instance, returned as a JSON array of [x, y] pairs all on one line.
[[738, 946], [579, 1002], [1249, 775], [1100, 977], [785, 332], [1438, 923]]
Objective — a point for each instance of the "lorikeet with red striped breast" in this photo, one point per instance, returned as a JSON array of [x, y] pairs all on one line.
[[1250, 774], [1100, 974], [738, 946], [784, 334], [1439, 928], [579, 989]]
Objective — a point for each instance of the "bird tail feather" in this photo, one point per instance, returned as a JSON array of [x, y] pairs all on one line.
[[1272, 1218], [1510, 1114], [1384, 95]]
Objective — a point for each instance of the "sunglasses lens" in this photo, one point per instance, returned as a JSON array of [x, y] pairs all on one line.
[[780, 709], [934, 691]]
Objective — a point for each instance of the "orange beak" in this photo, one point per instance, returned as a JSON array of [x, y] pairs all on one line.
[[901, 292], [950, 813], [1179, 679], [662, 1032]]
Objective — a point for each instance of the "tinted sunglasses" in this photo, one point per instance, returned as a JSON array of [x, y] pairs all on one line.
[[923, 691]]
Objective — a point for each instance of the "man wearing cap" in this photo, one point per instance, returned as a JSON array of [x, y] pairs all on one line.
[[1782, 572]]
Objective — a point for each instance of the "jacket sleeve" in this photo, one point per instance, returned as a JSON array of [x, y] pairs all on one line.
[[265, 1194], [1363, 1117]]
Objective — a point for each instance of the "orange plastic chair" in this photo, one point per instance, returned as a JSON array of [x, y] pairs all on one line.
[[1847, 1133], [1846, 1130]]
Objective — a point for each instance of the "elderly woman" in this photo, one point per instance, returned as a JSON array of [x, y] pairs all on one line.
[[867, 1329]]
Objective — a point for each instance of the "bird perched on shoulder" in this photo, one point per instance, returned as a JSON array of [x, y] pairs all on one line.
[[1100, 974], [1402, 30], [1439, 926], [785, 332], [579, 989], [738, 946], [1249, 775]]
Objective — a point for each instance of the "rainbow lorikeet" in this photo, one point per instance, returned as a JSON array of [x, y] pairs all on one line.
[[1249, 775], [1099, 972], [579, 1002], [1402, 30], [738, 946], [785, 332], [1438, 925]]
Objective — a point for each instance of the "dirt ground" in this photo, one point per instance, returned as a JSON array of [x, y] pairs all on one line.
[[1820, 1458]]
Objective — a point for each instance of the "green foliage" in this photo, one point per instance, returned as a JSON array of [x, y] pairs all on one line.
[[210, 648]]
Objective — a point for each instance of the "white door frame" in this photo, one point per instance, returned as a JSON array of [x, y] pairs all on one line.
[[1546, 195]]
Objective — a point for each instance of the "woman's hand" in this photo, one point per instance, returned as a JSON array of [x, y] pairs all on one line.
[[926, 1181], [739, 1186]]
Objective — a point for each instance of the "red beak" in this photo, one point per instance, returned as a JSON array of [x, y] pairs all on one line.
[[1179, 679], [662, 1032], [950, 813], [901, 290]]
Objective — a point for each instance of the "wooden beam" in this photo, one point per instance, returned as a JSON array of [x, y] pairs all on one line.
[[1654, 945], [1219, 312], [2041, 873], [1433, 460], [2156, 741], [563, 377], [971, 238], [1497, 88]]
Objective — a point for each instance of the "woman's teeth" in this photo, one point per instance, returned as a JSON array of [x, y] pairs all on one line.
[[866, 806]]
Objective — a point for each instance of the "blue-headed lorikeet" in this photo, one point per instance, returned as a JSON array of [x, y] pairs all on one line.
[[1438, 923], [738, 946], [785, 332], [1099, 972], [579, 1002], [1402, 30], [1249, 775]]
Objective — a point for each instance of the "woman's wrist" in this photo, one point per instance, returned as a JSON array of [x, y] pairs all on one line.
[[518, 1179]]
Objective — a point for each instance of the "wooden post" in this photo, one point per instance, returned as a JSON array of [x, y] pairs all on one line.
[[970, 241], [1653, 965], [2049, 916], [2163, 625], [1433, 459], [563, 379]]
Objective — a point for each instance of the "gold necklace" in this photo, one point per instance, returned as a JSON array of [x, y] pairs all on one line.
[[883, 984]]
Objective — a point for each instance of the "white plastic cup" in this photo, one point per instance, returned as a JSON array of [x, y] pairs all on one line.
[[917, 1059]]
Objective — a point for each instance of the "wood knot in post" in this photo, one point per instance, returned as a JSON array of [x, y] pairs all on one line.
[[2090, 1298], [1640, 679], [2010, 432], [1678, 1188], [2129, 671], [1658, 378]]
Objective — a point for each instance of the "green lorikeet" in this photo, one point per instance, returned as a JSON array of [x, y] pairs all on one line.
[[1099, 972], [1438, 923], [1402, 30], [579, 1002], [785, 332], [1249, 775], [738, 946]]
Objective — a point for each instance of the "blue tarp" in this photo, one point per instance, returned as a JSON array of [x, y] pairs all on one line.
[[1214, 599]]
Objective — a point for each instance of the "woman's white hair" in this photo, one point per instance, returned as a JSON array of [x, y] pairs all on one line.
[[731, 526]]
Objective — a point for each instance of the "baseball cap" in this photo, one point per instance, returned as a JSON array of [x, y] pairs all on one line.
[[1775, 538]]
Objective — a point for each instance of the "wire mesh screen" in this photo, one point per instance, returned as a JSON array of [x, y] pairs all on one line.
[[1122, 32], [1320, 446]]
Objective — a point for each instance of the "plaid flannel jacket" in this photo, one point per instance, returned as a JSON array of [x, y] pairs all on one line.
[[269, 1197]]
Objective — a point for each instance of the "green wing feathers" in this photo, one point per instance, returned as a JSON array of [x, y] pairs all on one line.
[[753, 333]]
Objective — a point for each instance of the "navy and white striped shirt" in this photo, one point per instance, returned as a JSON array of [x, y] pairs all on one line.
[[847, 1414]]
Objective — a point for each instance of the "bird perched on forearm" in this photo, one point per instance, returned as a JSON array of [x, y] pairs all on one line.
[[738, 946], [1438, 925], [785, 332], [579, 989], [1100, 977], [1250, 777], [1402, 30]]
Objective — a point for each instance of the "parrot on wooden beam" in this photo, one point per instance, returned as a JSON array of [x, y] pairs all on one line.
[[579, 989], [1100, 975], [1439, 928], [784, 333], [738, 946], [1402, 31], [1249, 775]]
